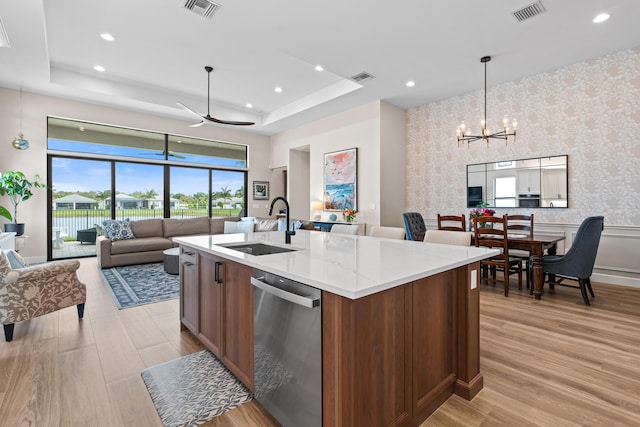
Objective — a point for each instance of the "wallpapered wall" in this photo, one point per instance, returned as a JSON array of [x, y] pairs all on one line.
[[589, 110]]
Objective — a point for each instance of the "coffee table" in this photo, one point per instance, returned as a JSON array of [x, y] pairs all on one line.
[[172, 260]]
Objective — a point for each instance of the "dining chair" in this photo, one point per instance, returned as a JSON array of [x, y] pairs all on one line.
[[577, 264], [344, 229], [491, 231], [387, 232], [448, 237], [453, 222], [522, 224], [414, 225]]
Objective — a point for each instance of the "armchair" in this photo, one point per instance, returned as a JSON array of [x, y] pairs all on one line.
[[37, 290], [577, 264]]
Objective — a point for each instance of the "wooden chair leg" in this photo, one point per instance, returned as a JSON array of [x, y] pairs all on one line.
[[80, 308], [583, 290], [8, 331], [590, 288], [520, 276]]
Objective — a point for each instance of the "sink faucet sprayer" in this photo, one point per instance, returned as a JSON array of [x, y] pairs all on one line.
[[287, 232]]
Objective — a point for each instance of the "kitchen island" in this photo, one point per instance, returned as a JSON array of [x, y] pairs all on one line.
[[400, 319]]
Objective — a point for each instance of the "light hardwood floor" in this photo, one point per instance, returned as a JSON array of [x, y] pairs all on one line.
[[552, 362]]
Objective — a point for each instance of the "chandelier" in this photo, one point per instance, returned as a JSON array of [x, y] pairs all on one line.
[[504, 134]]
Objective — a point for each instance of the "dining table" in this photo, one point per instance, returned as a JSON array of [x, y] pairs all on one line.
[[536, 245]]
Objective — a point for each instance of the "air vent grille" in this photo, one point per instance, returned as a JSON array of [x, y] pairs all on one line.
[[528, 12], [204, 8], [361, 77]]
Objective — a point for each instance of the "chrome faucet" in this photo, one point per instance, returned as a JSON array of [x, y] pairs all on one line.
[[287, 233]]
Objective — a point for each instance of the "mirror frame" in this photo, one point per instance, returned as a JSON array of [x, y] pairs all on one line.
[[540, 183]]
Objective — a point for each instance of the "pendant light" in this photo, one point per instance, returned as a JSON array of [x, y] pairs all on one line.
[[19, 143], [504, 134]]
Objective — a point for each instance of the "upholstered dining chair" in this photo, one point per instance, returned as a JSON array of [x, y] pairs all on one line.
[[491, 231], [36, 290], [414, 225], [344, 229], [577, 264], [448, 237], [452, 222], [522, 224], [387, 232]]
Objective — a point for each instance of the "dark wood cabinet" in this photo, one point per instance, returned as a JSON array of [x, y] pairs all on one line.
[[216, 304], [392, 358], [211, 302], [237, 350]]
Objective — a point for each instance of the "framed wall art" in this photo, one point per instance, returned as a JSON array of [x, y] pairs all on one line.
[[340, 180], [260, 190]]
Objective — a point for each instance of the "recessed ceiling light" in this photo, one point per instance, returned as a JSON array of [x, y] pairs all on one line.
[[108, 37], [278, 89], [601, 18], [99, 68], [319, 68], [81, 128], [411, 83], [249, 105]]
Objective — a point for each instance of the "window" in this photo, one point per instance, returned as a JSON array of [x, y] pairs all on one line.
[[100, 172]]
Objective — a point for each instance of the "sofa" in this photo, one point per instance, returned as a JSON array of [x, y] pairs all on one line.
[[149, 238]]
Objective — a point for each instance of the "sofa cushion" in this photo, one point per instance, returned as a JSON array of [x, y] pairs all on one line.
[[144, 244], [185, 227], [217, 224], [147, 228], [118, 229]]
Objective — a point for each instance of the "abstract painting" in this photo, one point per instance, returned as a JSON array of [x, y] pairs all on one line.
[[340, 179]]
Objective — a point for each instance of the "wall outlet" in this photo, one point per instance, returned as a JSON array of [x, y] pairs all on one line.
[[474, 279]]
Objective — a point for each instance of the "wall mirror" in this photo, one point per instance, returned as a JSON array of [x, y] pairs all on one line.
[[524, 183]]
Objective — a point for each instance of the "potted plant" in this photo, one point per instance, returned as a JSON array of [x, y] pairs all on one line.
[[16, 185]]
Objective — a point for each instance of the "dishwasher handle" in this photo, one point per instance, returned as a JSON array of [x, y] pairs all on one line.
[[288, 296]]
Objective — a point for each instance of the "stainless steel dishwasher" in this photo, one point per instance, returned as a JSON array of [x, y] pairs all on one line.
[[287, 349]]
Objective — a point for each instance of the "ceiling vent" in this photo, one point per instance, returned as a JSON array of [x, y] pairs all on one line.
[[528, 12], [363, 76], [204, 8]]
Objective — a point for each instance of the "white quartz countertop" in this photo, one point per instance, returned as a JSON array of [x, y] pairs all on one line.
[[350, 266]]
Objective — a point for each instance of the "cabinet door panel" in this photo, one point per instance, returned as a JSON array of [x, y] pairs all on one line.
[[210, 304], [238, 321]]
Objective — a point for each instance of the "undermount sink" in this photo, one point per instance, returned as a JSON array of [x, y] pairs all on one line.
[[256, 248]]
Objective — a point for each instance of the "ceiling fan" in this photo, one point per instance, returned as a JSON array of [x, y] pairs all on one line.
[[208, 118]]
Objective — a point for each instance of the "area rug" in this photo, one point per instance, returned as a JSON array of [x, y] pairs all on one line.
[[193, 389], [134, 285]]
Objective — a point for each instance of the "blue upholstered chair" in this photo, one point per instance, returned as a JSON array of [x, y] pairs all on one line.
[[577, 263], [414, 225]]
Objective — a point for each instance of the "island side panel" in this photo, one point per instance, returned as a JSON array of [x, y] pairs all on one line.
[[366, 368], [434, 342], [470, 380]]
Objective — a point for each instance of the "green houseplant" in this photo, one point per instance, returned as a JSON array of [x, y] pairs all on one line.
[[16, 185]]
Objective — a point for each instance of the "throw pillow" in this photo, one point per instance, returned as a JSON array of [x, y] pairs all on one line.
[[293, 224], [118, 230], [237, 227], [100, 230]]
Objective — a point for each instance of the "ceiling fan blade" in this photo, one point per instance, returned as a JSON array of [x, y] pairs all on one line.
[[228, 122], [208, 118], [180, 104]]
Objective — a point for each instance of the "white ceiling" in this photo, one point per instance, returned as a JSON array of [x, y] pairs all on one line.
[[161, 49]]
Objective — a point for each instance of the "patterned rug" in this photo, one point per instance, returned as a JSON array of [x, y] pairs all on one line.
[[134, 285], [193, 389]]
